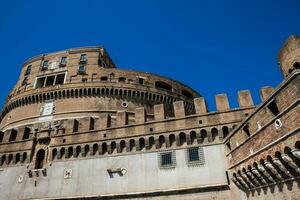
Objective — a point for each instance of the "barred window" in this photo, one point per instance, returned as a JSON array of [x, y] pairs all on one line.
[[167, 159], [195, 156]]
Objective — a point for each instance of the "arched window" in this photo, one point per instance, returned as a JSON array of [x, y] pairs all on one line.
[[54, 154], [2, 161], [10, 158], [151, 142], [24, 157], [161, 140], [193, 137], [70, 152], [62, 152], [122, 145], [172, 139], [40, 157], [142, 143], [214, 133], [78, 151], [131, 144], [225, 131], [104, 148], [17, 158], [95, 149], [86, 150], [182, 138], [113, 146]]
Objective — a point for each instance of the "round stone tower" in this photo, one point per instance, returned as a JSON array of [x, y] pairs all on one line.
[[289, 55], [83, 82]]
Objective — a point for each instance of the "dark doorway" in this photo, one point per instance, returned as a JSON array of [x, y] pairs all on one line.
[[40, 157]]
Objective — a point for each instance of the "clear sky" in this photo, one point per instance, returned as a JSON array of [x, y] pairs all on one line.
[[212, 46]]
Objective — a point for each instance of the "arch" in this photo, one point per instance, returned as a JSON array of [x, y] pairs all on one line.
[[95, 149], [142, 143], [182, 138], [225, 131], [10, 158], [131, 144], [122, 145], [70, 152], [62, 152], [113, 146], [54, 153], [104, 148], [86, 150], [214, 133], [18, 158], [203, 134], [172, 139], [161, 141], [193, 137], [40, 158], [24, 157], [151, 142], [2, 161], [78, 151]]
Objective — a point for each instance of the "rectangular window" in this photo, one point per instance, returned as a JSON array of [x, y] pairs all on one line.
[[141, 81], [45, 81], [104, 78], [1, 136], [13, 135], [167, 159], [83, 58], [45, 65], [75, 126], [60, 79], [63, 62], [28, 70], [195, 156], [81, 69]]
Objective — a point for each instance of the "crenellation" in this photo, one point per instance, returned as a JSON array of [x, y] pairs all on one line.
[[179, 109], [266, 92], [222, 103], [245, 99], [200, 105]]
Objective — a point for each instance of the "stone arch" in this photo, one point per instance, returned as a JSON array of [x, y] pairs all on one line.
[[204, 136], [70, 152], [78, 151], [54, 153], [122, 146], [95, 148], [3, 159], [142, 144], [172, 140], [182, 138], [62, 152], [104, 148], [193, 137], [161, 141], [17, 160], [214, 134], [10, 159], [24, 157], [131, 144], [40, 159], [225, 131], [151, 142], [86, 150], [113, 147]]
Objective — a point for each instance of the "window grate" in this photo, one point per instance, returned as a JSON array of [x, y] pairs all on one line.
[[195, 156], [167, 160]]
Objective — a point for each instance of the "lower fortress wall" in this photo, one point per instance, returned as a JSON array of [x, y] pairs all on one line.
[[144, 176]]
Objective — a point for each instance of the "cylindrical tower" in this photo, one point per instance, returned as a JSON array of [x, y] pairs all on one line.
[[85, 82]]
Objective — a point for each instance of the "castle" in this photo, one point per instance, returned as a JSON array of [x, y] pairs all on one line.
[[76, 127]]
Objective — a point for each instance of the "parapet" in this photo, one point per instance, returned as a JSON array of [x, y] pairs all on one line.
[[289, 55]]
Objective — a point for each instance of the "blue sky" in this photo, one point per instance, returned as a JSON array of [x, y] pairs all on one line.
[[212, 46]]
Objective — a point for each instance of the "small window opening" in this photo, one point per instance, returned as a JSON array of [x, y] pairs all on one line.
[[194, 155], [92, 123], [26, 133], [296, 65], [122, 79], [63, 62], [75, 126], [246, 130], [166, 159], [25, 80], [273, 108], [45, 65], [13, 135], [50, 80], [40, 157], [28, 70], [141, 81], [200, 122], [1, 136], [81, 69], [162, 85], [60, 79], [104, 78], [83, 58], [228, 145]]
